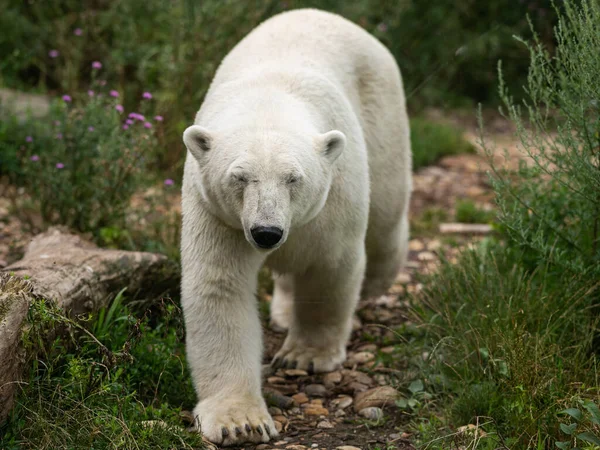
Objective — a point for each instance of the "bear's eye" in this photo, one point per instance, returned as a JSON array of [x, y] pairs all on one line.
[[240, 178]]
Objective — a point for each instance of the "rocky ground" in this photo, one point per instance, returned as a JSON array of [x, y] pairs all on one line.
[[354, 407]]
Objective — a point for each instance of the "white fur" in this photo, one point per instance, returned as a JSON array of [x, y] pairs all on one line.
[[304, 128]]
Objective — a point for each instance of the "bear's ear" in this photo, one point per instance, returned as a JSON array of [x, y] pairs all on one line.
[[331, 144], [197, 140]]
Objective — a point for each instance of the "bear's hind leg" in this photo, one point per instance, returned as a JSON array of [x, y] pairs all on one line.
[[386, 257], [324, 302], [282, 303]]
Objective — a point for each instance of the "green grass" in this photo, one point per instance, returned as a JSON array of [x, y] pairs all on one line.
[[431, 141], [468, 212], [96, 386]]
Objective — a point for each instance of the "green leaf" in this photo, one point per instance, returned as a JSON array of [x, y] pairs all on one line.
[[589, 437], [402, 403], [573, 412], [593, 410], [563, 445], [416, 386], [568, 429]]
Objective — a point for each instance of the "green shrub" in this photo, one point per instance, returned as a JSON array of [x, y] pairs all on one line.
[[468, 212], [513, 327], [431, 141], [82, 163]]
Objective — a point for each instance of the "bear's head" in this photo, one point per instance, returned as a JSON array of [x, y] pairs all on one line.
[[264, 181]]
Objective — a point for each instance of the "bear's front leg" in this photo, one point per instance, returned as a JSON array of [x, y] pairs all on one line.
[[223, 332], [324, 301]]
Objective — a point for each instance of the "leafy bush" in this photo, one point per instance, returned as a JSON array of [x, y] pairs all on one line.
[[513, 326], [468, 212], [431, 140], [119, 384], [81, 165]]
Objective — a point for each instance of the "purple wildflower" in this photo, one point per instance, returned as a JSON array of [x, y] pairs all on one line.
[[90, 128], [34, 158], [96, 65], [136, 116], [130, 121], [60, 166], [91, 93], [147, 95], [59, 136], [113, 93], [158, 118], [169, 182], [78, 32], [28, 139], [67, 98], [125, 127], [119, 108], [147, 125], [53, 53], [382, 27]]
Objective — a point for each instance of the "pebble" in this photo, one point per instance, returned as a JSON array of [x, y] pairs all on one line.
[[415, 245], [314, 410], [278, 426], [300, 398], [355, 375], [434, 245], [276, 380], [332, 378], [403, 278], [316, 401], [372, 412], [388, 350], [342, 402], [281, 419], [275, 411], [339, 413], [355, 387], [325, 424], [367, 348], [347, 447], [426, 256], [295, 373], [380, 396], [361, 358], [316, 390], [296, 447]]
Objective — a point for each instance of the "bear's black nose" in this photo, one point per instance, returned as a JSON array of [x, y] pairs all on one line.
[[266, 237]]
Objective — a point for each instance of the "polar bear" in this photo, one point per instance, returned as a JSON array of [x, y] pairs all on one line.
[[299, 158]]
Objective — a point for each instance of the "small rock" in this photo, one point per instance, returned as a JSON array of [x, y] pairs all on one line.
[[347, 447], [380, 379], [341, 402], [316, 401], [426, 256], [415, 245], [379, 396], [372, 412], [275, 411], [388, 350], [295, 373], [281, 419], [355, 387], [296, 447], [339, 413], [315, 390], [278, 426], [356, 375], [316, 411], [361, 358], [368, 348], [403, 278], [389, 301], [274, 398], [276, 380], [395, 436], [397, 289], [325, 424], [332, 378], [300, 398], [434, 245]]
